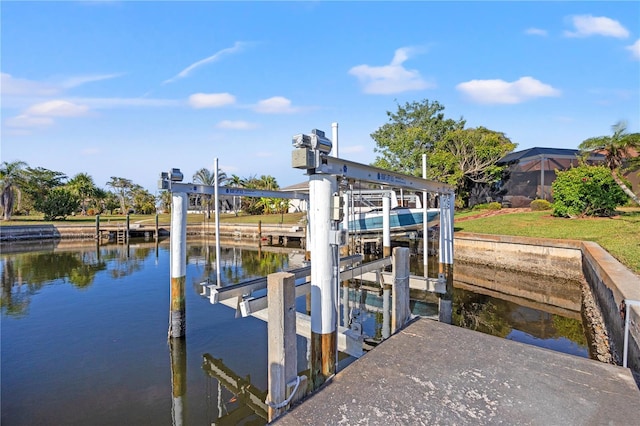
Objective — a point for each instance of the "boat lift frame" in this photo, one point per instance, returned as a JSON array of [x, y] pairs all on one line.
[[311, 153]]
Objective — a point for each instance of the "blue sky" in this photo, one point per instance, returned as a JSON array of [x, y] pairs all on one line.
[[131, 89]]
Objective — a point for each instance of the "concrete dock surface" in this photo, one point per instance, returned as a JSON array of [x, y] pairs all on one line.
[[433, 373]]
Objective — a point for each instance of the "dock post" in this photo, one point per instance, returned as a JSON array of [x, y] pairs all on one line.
[[284, 385], [178, 354], [425, 221], [386, 232], [447, 207], [126, 231], [157, 227], [324, 309], [386, 320], [400, 311], [177, 320], [260, 233], [98, 227]]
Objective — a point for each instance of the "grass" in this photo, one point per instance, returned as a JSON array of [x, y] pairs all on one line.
[[289, 218], [619, 235]]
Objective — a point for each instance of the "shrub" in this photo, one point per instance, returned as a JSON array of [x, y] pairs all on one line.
[[586, 191], [538, 205], [494, 205]]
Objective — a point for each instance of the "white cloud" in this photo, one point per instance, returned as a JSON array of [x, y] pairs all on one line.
[[79, 80], [264, 154], [392, 78], [57, 108], [101, 103], [237, 47], [504, 92], [10, 85], [211, 100], [236, 125], [24, 120], [634, 49], [536, 31], [275, 105], [587, 25]]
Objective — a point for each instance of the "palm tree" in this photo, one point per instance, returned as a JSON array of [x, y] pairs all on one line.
[[11, 174], [236, 181], [82, 185], [206, 177], [618, 147]]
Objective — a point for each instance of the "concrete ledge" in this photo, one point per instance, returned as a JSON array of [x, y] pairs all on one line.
[[548, 257], [612, 283]]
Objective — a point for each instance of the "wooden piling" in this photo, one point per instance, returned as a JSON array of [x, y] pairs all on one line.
[[283, 358], [98, 227], [127, 227], [400, 311], [445, 267]]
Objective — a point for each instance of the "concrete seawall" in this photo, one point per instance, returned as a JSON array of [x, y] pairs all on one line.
[[611, 282]]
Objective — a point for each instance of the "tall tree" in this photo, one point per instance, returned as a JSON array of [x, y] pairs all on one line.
[[122, 189], [37, 184], [618, 149], [466, 159], [236, 181], [411, 131], [205, 176], [83, 187], [142, 200], [11, 174]]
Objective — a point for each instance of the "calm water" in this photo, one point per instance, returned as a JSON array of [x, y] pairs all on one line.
[[84, 334]]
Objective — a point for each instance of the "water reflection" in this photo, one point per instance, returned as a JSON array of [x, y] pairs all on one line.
[[84, 333]]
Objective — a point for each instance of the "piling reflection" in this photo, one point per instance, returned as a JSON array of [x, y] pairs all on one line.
[[244, 403], [178, 355]]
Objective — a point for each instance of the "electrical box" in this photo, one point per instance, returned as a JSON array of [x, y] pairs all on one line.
[[303, 158], [337, 205], [338, 237]]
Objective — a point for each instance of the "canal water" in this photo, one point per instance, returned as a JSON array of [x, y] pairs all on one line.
[[84, 333]]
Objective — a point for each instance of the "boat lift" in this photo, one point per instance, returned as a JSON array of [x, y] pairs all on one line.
[[325, 236], [326, 212]]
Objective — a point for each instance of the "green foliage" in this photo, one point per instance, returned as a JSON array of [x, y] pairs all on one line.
[[494, 205], [461, 157], [586, 191], [539, 205], [57, 204], [408, 134]]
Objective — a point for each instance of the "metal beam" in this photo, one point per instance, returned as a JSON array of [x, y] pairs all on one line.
[[254, 304], [218, 294], [361, 172], [194, 188]]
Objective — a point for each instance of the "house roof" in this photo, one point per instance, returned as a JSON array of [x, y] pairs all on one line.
[[540, 152]]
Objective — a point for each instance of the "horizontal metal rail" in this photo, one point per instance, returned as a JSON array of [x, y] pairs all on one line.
[[252, 305], [245, 288]]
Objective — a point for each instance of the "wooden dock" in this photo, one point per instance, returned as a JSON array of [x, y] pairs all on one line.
[[434, 373]]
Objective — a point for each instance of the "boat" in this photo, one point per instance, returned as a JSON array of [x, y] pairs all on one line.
[[400, 219]]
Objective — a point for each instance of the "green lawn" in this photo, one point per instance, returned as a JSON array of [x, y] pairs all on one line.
[[619, 235], [289, 218]]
